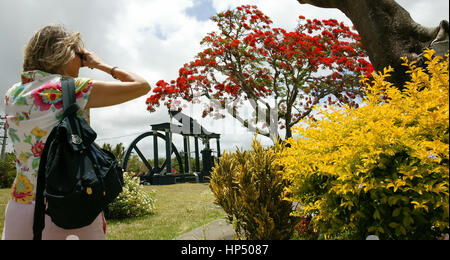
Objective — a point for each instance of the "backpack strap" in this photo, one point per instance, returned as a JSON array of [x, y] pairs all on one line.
[[68, 95], [68, 92], [39, 206], [69, 99]]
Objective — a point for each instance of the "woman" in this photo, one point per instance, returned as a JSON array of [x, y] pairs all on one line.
[[34, 107]]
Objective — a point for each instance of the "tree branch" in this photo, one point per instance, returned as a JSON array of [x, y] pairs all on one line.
[[387, 31], [325, 3]]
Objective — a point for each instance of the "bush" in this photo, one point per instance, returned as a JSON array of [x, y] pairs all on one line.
[[381, 169], [250, 187], [134, 201], [7, 171]]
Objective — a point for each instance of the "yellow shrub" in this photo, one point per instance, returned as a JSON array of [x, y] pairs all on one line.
[[382, 168]]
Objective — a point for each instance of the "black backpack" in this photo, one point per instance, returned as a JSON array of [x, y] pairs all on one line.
[[76, 178]]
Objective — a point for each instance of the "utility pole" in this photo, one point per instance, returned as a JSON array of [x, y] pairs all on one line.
[[4, 136]]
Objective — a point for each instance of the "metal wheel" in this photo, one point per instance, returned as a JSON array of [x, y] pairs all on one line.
[[151, 169]]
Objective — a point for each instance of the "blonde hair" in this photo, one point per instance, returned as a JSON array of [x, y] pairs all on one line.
[[50, 48]]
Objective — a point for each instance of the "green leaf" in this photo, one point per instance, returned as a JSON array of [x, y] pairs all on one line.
[[393, 225], [371, 229], [393, 200], [402, 230], [13, 134], [377, 215], [396, 212], [27, 139], [407, 220], [35, 163]]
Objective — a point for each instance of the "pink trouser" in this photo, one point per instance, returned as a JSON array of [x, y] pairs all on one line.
[[19, 226]]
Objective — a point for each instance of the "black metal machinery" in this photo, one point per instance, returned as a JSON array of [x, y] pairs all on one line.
[[188, 127]]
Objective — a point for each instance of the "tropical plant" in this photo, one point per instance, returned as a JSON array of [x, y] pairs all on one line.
[[382, 168], [250, 187]]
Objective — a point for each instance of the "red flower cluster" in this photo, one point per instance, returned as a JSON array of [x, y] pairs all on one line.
[[305, 228]]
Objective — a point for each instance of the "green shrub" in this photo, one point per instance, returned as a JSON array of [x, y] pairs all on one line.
[[7, 171], [250, 187], [134, 201]]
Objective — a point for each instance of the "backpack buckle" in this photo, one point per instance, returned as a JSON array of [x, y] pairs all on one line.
[[76, 139]]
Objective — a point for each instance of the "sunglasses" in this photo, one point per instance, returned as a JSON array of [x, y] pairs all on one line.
[[81, 55]]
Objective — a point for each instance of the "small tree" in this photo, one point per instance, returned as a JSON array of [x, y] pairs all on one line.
[[281, 74], [118, 151], [7, 171]]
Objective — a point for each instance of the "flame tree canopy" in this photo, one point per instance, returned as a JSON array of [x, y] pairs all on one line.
[[389, 33], [279, 74]]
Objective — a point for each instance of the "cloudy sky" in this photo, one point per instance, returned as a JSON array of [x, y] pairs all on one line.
[[153, 38]]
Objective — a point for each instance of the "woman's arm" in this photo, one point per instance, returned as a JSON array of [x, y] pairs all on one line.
[[105, 94]]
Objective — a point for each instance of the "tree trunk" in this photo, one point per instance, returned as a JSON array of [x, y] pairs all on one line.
[[388, 33]]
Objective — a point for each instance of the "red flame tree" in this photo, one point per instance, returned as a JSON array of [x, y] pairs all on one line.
[[273, 70]]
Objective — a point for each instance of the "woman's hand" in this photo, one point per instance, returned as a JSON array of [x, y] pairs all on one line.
[[104, 94], [91, 60]]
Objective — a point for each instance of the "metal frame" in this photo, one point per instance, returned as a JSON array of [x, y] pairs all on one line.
[[188, 128]]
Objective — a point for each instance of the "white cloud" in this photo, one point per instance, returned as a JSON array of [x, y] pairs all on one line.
[[284, 13], [153, 38], [427, 13]]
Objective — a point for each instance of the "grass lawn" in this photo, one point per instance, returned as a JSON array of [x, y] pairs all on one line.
[[179, 209]]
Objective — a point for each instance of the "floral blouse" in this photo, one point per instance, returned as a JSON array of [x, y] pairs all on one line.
[[33, 107]]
